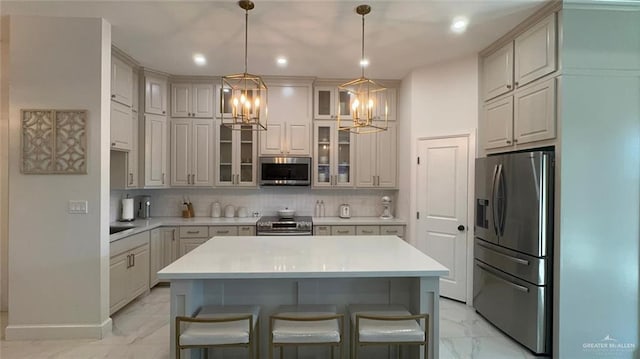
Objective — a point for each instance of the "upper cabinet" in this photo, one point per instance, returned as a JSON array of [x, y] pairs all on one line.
[[155, 151], [329, 101], [155, 98], [121, 135], [236, 157], [121, 82], [535, 52], [135, 91], [376, 159], [519, 98], [530, 56], [332, 155], [289, 123], [192, 100], [192, 152]]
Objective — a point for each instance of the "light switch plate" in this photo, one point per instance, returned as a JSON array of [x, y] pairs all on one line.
[[78, 207]]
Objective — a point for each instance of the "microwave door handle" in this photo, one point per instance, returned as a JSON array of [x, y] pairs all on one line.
[[494, 202]]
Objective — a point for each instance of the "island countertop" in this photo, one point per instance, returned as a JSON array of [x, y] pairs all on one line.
[[254, 257]]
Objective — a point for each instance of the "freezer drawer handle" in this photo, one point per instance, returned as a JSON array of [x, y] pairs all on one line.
[[513, 259], [497, 276]]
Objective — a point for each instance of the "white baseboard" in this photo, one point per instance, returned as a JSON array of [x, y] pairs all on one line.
[[53, 331]]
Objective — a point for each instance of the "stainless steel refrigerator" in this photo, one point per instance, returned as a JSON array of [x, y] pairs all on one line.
[[512, 272]]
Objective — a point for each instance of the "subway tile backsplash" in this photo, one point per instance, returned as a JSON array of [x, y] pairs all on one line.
[[264, 200]]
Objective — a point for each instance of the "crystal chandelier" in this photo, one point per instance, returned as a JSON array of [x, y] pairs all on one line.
[[245, 94], [367, 99]]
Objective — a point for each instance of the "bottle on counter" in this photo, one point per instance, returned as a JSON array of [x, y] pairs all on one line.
[[321, 208], [316, 212]]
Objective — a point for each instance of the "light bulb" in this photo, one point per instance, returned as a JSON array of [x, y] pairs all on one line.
[[235, 101], [247, 105], [370, 103], [257, 102], [242, 98], [355, 104]]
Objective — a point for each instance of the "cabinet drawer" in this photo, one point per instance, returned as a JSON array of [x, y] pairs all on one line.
[[343, 230], [128, 243], [392, 231], [247, 230], [223, 231], [321, 230], [194, 232], [367, 230]]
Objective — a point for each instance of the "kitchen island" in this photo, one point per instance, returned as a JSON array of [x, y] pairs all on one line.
[[272, 271]]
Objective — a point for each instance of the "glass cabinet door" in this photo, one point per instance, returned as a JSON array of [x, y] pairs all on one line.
[[247, 155], [344, 158], [344, 104], [324, 103], [225, 153], [323, 155]]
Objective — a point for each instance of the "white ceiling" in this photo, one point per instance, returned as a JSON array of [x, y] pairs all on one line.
[[319, 38]]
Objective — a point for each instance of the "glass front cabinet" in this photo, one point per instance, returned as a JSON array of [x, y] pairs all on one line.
[[236, 156], [329, 101], [332, 156]]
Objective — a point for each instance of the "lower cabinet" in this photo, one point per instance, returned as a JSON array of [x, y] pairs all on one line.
[[191, 237], [189, 244], [368, 230], [128, 270], [163, 247]]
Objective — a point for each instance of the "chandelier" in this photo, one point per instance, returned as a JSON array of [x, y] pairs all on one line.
[[367, 99], [246, 94]]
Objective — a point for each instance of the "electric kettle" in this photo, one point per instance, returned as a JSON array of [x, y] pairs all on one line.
[[345, 211]]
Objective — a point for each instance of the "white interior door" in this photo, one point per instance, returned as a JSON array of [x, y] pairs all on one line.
[[442, 186]]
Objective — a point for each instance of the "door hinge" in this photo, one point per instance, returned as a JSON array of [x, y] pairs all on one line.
[[418, 160], [417, 215]]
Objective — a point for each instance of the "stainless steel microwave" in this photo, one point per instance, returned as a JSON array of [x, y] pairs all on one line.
[[285, 171]]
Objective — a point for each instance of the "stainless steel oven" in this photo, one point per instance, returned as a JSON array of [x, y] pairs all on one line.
[[285, 171], [276, 226]]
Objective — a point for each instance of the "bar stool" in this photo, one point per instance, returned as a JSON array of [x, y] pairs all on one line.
[[373, 324], [220, 326], [296, 325]]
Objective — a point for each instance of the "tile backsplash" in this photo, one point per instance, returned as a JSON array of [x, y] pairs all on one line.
[[264, 200]]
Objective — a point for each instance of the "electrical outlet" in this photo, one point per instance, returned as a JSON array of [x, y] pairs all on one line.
[[78, 207]]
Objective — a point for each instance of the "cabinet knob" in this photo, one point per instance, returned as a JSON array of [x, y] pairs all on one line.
[[113, 144], [516, 83], [461, 228], [113, 96], [508, 142], [515, 141], [163, 112], [509, 86]]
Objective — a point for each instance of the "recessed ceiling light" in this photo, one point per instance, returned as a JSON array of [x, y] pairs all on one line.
[[282, 61], [199, 59], [459, 24], [364, 62]]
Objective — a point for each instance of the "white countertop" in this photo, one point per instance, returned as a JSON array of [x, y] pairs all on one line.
[[141, 225], [255, 257]]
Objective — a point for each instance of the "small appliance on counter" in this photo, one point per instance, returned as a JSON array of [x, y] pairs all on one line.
[[144, 208], [229, 211], [127, 210], [345, 211], [386, 208]]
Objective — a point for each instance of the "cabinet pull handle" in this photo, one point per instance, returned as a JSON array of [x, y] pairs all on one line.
[[367, 232], [193, 232], [163, 178], [128, 260], [133, 259], [342, 232], [222, 232], [388, 231], [130, 178], [173, 235]]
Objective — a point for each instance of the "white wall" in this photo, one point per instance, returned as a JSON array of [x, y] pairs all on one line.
[[600, 190], [440, 100], [58, 263]]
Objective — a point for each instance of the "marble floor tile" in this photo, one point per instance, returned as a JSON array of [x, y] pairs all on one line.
[[141, 331]]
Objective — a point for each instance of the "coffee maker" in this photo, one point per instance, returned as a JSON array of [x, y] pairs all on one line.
[[144, 208], [386, 208]]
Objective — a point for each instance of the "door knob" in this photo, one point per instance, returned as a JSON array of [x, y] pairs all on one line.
[[461, 228]]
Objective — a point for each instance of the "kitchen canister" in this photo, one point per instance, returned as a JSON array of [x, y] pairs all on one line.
[[215, 209]]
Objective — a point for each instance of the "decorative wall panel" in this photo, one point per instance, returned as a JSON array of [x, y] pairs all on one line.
[[54, 141]]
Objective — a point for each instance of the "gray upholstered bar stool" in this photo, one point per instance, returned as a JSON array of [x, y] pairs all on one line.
[[295, 325], [220, 326], [383, 324]]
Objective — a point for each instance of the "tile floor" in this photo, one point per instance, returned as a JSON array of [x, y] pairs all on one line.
[[141, 331]]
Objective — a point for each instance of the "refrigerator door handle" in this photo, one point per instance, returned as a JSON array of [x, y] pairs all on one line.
[[494, 198], [503, 203], [506, 256], [500, 278]]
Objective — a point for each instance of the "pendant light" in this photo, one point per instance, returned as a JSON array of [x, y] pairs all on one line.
[[367, 99], [244, 96]]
